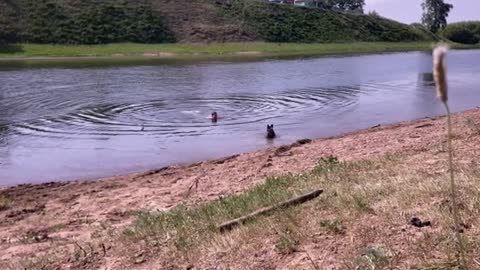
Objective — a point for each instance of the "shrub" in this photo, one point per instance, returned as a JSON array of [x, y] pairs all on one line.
[[8, 29], [284, 23], [463, 32], [91, 22]]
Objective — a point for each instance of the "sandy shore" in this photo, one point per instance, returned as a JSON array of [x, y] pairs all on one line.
[[40, 217]]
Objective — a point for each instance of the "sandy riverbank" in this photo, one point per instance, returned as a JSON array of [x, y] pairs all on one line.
[[51, 217]]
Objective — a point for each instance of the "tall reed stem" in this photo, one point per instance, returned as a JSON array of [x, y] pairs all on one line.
[[453, 192]]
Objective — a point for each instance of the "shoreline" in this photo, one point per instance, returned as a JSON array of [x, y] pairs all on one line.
[[72, 211], [187, 165], [144, 53]]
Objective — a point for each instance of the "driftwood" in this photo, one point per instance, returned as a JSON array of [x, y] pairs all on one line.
[[152, 172], [229, 225], [424, 125]]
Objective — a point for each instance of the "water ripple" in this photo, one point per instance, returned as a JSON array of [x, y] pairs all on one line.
[[174, 117]]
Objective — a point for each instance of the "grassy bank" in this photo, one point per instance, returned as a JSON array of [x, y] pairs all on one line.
[[22, 51], [360, 222], [364, 214]]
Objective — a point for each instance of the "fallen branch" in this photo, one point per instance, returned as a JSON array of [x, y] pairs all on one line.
[[229, 225], [424, 125], [152, 172]]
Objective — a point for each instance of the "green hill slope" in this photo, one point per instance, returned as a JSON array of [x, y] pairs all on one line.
[[282, 23], [157, 21]]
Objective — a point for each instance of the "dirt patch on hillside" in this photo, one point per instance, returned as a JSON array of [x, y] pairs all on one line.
[[202, 22]]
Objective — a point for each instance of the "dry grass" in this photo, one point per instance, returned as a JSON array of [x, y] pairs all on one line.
[[365, 212], [43, 262], [5, 203], [473, 125]]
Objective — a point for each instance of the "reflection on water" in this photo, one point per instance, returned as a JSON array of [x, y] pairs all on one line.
[[65, 123], [426, 78]]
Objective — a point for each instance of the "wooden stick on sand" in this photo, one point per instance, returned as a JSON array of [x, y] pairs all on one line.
[[229, 225]]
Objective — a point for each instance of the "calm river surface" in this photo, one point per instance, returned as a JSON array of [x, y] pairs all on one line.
[[80, 123]]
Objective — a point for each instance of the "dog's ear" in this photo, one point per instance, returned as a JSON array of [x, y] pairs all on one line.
[[271, 125]]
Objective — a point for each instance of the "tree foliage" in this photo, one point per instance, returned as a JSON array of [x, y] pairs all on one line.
[[463, 32], [435, 13], [8, 26], [284, 23], [90, 22], [7, 32], [347, 5]]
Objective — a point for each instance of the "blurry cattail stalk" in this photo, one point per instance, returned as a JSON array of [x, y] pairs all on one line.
[[439, 73]]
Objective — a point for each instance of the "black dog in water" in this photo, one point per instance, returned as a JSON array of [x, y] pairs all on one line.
[[270, 132], [214, 117]]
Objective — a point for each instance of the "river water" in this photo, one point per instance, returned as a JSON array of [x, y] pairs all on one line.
[[68, 123]]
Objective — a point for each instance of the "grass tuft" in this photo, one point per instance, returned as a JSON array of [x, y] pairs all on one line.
[[474, 126], [334, 226], [375, 257], [326, 165], [5, 203], [287, 244], [187, 225], [360, 203]]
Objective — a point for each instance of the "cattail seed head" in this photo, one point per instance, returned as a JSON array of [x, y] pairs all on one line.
[[439, 72]]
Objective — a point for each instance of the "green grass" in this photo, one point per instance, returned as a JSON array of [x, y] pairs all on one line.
[[205, 218], [240, 50], [191, 223], [185, 229], [334, 226], [383, 193], [286, 243]]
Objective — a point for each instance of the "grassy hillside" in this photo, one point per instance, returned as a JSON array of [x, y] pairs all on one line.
[[156, 21], [86, 22], [283, 23]]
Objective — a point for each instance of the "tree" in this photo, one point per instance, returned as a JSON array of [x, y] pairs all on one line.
[[435, 13], [8, 27], [374, 13], [347, 5]]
